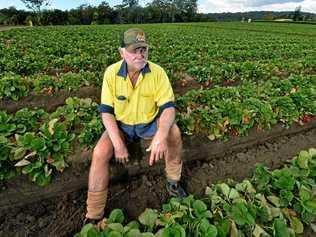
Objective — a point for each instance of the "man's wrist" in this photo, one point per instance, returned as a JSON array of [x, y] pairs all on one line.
[[161, 135], [118, 143]]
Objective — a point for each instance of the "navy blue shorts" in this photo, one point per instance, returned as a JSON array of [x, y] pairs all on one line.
[[140, 131]]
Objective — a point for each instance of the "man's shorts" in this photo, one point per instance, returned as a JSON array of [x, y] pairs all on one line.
[[134, 133]]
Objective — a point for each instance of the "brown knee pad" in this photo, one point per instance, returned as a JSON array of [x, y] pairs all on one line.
[[95, 204], [173, 170]]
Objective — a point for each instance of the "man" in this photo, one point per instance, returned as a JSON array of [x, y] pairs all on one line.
[[137, 102]]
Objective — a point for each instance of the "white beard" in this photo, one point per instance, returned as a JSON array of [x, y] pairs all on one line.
[[139, 66]]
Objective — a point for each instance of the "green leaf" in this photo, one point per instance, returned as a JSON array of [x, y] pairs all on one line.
[[51, 125], [297, 225], [43, 180], [60, 164], [3, 139], [223, 227], [245, 186], [285, 197], [89, 231], [114, 233], [199, 206], [133, 233], [211, 231], [241, 215], [19, 153], [312, 152], [280, 228], [274, 200], [148, 217], [188, 201], [116, 216], [29, 168], [224, 188], [166, 207], [38, 144], [206, 214], [70, 101], [262, 175], [304, 194], [259, 232], [146, 234], [56, 147], [302, 159], [116, 226], [204, 225], [233, 194], [275, 212], [133, 225], [285, 179], [27, 138], [173, 231], [310, 206]]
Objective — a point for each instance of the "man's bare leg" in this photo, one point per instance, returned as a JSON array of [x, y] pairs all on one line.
[[174, 162], [99, 177], [174, 158]]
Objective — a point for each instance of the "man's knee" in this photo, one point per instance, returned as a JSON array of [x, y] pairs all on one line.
[[102, 152]]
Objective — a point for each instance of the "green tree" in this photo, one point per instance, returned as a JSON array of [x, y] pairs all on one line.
[[185, 9], [130, 3], [105, 13], [164, 8], [297, 13], [36, 5]]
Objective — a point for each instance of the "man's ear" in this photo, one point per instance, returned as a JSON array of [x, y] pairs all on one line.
[[121, 51]]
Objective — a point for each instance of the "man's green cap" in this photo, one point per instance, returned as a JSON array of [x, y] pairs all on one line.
[[133, 38]]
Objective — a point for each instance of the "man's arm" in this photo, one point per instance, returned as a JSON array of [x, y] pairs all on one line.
[[120, 150], [111, 127], [165, 122], [159, 146]]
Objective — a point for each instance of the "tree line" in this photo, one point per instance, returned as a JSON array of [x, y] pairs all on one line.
[[130, 12]]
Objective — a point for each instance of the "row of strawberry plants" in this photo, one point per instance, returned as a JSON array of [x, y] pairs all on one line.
[[37, 144], [38, 141], [223, 112], [219, 72], [15, 87], [271, 203], [214, 52]]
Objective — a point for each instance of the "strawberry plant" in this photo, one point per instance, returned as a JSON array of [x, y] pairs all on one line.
[[271, 203], [13, 87]]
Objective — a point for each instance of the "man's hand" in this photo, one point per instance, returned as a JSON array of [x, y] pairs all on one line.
[[158, 148], [121, 154]]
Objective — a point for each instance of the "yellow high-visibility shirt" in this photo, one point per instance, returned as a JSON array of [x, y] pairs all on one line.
[[140, 104]]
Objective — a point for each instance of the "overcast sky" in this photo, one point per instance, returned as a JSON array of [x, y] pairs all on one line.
[[204, 6]]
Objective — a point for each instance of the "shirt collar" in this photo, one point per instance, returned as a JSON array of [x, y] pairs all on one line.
[[123, 69]]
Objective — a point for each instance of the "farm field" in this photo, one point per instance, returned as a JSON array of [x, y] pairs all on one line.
[[230, 80]]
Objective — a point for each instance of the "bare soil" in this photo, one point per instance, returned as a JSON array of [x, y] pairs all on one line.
[[63, 215], [5, 28], [49, 102]]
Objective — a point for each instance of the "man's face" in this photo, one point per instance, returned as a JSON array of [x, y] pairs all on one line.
[[137, 58]]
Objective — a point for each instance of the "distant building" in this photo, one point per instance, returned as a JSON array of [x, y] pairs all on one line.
[[283, 19]]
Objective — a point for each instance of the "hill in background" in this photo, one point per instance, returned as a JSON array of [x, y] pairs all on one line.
[[260, 15]]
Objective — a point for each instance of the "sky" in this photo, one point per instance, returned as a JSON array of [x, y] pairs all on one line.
[[204, 6]]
